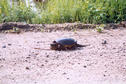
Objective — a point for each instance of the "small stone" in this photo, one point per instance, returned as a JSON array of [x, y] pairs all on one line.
[[4, 46], [87, 60], [2, 59], [78, 63], [42, 65], [9, 44], [46, 60], [38, 42], [114, 48], [104, 75], [26, 60], [1, 66], [14, 69], [27, 57], [105, 71], [27, 68], [35, 82], [104, 42], [64, 73], [85, 66], [12, 73], [47, 56]]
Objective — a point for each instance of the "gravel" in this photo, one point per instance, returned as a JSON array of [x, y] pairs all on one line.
[[30, 61]]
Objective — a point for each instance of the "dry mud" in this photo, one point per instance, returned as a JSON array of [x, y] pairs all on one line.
[[99, 63]]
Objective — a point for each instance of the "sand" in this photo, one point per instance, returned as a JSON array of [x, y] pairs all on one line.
[[99, 63]]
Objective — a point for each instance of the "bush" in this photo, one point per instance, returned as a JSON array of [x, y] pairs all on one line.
[[86, 11], [15, 12], [61, 11]]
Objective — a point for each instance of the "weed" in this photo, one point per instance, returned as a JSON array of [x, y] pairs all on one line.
[[86, 11], [61, 11], [15, 12], [100, 28]]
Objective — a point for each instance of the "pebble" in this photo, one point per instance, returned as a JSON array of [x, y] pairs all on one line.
[[84, 66], [104, 75], [27, 68], [42, 65], [1, 66], [2, 59], [4, 46], [9, 44], [46, 60], [47, 56], [27, 57], [104, 42], [64, 73]]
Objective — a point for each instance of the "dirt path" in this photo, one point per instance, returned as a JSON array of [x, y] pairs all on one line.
[[98, 63]]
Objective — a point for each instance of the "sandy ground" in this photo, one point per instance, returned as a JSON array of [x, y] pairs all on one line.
[[98, 63]]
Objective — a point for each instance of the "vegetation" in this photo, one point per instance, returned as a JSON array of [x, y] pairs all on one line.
[[18, 12], [100, 28], [60, 11]]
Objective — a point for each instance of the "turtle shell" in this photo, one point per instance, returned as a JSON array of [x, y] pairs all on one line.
[[66, 41]]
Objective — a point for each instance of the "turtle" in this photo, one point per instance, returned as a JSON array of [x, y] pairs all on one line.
[[65, 44]]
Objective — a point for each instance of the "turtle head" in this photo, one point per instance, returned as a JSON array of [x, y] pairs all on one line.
[[54, 46]]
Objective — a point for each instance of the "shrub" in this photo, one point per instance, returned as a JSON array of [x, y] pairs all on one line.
[[61, 11]]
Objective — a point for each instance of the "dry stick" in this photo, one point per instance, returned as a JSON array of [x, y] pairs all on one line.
[[42, 49], [50, 49]]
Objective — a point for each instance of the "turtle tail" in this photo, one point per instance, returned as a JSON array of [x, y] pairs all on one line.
[[79, 45]]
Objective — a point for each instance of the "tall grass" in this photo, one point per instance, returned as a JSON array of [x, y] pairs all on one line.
[[17, 12], [60, 11], [86, 11]]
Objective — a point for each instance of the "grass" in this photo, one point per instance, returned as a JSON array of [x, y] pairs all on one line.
[[18, 12], [100, 28], [86, 11], [61, 11]]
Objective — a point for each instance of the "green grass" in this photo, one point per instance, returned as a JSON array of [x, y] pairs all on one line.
[[61, 11], [18, 12], [86, 11]]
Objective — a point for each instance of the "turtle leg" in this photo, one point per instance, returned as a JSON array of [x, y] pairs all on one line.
[[60, 47], [73, 47]]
